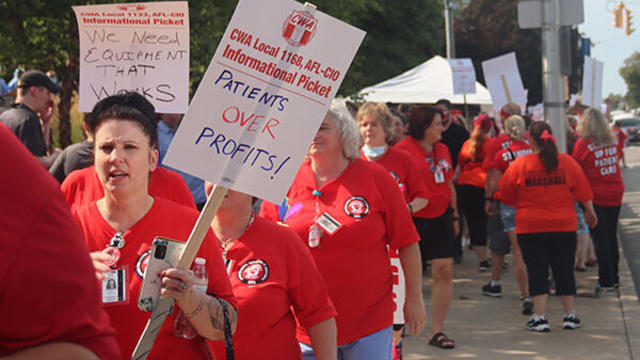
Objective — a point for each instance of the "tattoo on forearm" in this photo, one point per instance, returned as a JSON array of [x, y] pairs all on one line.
[[215, 314], [198, 308]]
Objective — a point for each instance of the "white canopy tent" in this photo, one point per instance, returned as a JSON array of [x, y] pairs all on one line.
[[424, 84]]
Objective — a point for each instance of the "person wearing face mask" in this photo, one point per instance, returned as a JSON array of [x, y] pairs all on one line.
[[437, 223], [375, 123]]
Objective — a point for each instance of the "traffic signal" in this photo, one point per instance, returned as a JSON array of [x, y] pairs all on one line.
[[616, 19], [627, 22]]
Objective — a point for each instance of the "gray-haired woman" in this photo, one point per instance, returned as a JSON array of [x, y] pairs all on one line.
[[348, 210]]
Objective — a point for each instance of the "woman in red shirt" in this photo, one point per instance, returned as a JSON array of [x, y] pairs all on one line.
[[349, 210], [542, 187], [598, 152], [120, 227], [269, 264], [437, 223], [376, 127], [471, 180]]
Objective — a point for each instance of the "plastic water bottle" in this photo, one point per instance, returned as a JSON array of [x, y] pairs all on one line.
[[182, 327]]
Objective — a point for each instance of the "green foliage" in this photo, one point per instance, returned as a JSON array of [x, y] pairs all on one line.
[[43, 34], [489, 28], [630, 72]]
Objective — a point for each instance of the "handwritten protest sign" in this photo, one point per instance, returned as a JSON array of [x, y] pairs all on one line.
[[269, 85], [592, 82], [136, 46], [503, 80], [464, 76]]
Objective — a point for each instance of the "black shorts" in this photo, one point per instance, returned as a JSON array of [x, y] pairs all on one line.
[[436, 236], [556, 249]]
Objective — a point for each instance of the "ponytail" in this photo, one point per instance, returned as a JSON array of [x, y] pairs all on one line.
[[541, 133]]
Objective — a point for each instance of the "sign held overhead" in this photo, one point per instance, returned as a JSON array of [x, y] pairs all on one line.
[[268, 87], [142, 47]]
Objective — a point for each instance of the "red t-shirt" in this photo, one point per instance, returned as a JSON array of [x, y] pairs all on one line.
[[354, 261], [471, 171], [601, 165], [405, 172], [49, 292], [271, 265], [166, 219], [436, 164], [544, 202], [495, 145], [83, 186], [505, 157]]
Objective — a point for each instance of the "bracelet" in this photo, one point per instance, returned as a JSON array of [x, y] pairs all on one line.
[[456, 218], [410, 208], [488, 199]]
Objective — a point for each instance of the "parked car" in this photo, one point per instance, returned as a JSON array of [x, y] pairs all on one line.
[[630, 124]]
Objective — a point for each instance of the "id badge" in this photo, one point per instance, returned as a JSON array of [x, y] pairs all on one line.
[[439, 176], [315, 233], [115, 287], [328, 223]]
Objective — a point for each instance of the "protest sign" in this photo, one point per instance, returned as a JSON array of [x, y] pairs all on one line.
[[502, 77], [268, 87], [592, 82], [142, 47], [464, 76], [399, 292]]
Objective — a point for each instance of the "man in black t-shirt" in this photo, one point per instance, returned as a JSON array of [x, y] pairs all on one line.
[[33, 97], [453, 135]]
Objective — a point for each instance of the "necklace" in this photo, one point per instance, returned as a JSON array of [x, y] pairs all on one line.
[[224, 243]]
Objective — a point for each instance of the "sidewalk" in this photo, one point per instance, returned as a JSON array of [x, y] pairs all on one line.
[[493, 328]]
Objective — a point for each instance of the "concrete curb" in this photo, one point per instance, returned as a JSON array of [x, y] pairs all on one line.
[[630, 308]]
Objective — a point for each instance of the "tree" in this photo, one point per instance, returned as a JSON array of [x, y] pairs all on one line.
[[489, 28], [43, 34], [630, 72]]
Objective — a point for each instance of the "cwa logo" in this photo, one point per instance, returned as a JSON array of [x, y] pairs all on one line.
[[299, 28]]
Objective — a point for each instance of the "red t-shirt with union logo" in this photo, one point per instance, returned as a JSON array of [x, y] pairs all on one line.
[[436, 172], [354, 261]]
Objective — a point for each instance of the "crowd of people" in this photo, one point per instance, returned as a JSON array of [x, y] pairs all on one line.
[[310, 278]]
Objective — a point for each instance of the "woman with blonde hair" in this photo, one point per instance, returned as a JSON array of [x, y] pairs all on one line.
[[375, 122], [515, 128], [598, 152]]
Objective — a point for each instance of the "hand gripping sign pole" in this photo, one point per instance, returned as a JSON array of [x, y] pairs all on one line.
[[165, 305], [272, 85]]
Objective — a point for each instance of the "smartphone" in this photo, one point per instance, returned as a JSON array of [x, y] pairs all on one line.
[[164, 255]]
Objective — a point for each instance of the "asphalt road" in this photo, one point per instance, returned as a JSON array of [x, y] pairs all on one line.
[[629, 225]]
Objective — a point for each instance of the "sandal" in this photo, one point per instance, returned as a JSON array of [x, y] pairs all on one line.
[[442, 341]]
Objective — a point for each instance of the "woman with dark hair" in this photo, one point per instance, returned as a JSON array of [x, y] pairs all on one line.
[[471, 180], [598, 152], [437, 223], [542, 187], [119, 229]]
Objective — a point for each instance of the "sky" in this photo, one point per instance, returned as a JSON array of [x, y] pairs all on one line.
[[609, 44]]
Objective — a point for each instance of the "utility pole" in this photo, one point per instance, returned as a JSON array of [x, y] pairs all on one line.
[[553, 84], [448, 30]]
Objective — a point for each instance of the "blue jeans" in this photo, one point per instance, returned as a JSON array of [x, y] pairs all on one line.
[[376, 346]]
